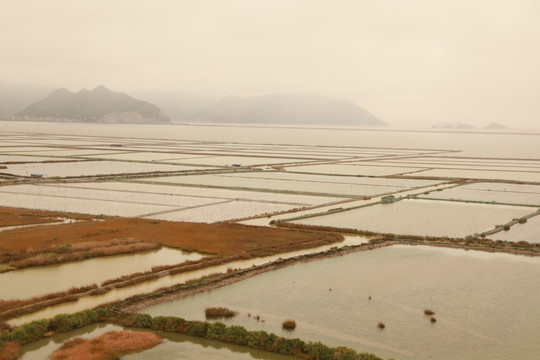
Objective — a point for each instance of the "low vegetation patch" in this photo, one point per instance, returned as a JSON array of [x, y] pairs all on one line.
[[381, 325], [429, 312], [9, 351], [219, 238], [108, 346], [219, 312], [289, 324]]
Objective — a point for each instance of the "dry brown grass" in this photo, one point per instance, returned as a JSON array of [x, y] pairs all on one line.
[[20, 307], [81, 251], [17, 217], [10, 351], [108, 346], [218, 238]]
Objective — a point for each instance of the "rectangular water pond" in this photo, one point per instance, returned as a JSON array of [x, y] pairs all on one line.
[[485, 304], [422, 217], [501, 193]]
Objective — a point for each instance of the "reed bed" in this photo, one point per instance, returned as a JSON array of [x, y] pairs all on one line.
[[9, 351], [108, 346], [82, 251]]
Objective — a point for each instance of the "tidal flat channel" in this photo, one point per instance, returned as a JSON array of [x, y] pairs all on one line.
[[36, 281]]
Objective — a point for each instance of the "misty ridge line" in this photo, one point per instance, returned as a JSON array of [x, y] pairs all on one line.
[[106, 106], [101, 105]]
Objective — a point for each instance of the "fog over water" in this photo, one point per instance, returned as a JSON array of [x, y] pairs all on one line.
[[415, 62]]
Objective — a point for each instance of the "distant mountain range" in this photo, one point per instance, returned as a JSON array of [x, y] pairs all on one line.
[[288, 109], [99, 105], [103, 105]]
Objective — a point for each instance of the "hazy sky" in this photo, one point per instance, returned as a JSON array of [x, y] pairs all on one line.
[[473, 61]]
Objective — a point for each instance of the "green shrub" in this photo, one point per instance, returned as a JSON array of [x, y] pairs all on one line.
[[320, 351], [261, 340], [236, 335], [218, 312], [216, 331], [289, 324], [367, 356], [344, 353], [167, 323], [289, 346], [144, 321], [198, 328], [68, 322], [28, 333], [35, 331], [18, 334]]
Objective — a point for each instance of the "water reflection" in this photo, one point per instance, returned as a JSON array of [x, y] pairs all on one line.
[[47, 279], [485, 304], [166, 281]]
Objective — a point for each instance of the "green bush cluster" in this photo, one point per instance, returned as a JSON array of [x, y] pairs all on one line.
[[28, 333], [68, 322], [214, 331], [240, 336]]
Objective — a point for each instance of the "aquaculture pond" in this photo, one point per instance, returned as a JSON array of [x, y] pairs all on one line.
[[90, 302], [422, 217], [175, 346], [485, 304], [36, 281], [487, 192], [529, 231]]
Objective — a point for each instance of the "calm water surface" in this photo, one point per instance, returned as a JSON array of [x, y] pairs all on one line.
[[35, 281], [90, 302], [485, 304], [471, 143]]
